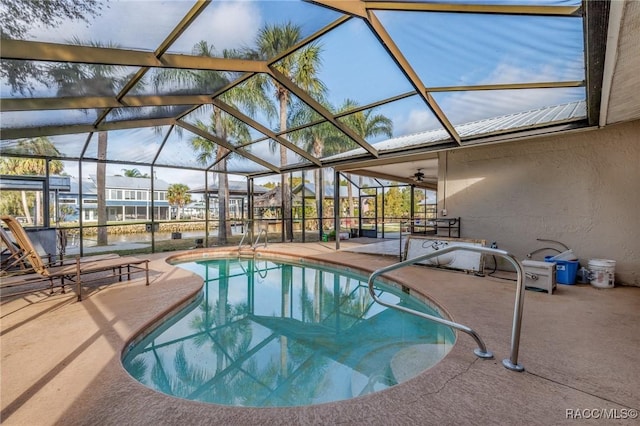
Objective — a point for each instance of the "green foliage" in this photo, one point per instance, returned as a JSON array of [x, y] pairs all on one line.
[[22, 203], [394, 203], [178, 195], [18, 15], [11, 203], [365, 124], [64, 210], [219, 129], [295, 181], [302, 68], [270, 185], [135, 173], [41, 146]]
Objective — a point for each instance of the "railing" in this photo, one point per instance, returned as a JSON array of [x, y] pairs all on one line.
[[402, 224], [266, 237], [481, 352], [261, 273], [248, 230]]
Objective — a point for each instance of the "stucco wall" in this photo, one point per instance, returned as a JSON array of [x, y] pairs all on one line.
[[582, 189]]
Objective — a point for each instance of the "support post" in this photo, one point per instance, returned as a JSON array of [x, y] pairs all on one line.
[[81, 213], [153, 213], [321, 212], [336, 207], [207, 205], [304, 204]]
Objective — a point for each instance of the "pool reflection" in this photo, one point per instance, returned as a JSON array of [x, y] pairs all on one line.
[[277, 334]]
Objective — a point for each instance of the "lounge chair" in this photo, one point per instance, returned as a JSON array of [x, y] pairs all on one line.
[[14, 261], [81, 267], [12, 254]]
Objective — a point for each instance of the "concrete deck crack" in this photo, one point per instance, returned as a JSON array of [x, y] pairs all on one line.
[[580, 390]]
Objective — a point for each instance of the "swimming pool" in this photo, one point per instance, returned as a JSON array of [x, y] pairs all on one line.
[[273, 333]]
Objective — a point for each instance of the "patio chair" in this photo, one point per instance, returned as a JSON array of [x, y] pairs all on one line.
[[14, 259], [82, 266], [12, 254]]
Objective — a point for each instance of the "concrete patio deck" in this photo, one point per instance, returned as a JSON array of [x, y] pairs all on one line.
[[580, 348]]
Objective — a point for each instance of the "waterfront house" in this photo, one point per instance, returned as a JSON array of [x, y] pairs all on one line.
[[127, 198]]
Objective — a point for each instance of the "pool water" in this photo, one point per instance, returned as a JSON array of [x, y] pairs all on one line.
[[265, 333]]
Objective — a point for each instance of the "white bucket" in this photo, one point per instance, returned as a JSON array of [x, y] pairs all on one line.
[[602, 272]]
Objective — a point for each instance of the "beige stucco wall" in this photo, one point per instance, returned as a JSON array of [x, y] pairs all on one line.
[[582, 189]]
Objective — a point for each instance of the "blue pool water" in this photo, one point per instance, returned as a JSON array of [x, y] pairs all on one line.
[[265, 333]]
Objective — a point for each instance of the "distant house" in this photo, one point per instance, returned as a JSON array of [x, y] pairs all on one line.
[[269, 204], [71, 198], [194, 210], [328, 192], [237, 199], [127, 198]]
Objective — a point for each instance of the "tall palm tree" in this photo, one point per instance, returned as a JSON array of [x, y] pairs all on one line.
[[209, 152], [314, 140], [324, 139], [98, 80], [301, 67], [249, 95], [365, 124]]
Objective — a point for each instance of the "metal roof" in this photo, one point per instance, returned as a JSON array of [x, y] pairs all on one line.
[[33, 183], [125, 182], [524, 120], [235, 188], [310, 191]]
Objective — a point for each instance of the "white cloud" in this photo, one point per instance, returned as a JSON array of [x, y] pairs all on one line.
[[416, 121], [141, 24], [144, 24], [463, 107], [225, 25]]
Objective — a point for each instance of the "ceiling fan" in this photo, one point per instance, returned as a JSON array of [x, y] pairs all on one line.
[[418, 176]]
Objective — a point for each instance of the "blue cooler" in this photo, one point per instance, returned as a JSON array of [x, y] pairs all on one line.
[[566, 270]]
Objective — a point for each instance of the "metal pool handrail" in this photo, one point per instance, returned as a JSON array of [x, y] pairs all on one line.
[[481, 352], [248, 230], [266, 238]]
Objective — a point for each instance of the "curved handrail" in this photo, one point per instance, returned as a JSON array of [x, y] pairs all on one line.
[[266, 237], [248, 230], [260, 272], [481, 351]]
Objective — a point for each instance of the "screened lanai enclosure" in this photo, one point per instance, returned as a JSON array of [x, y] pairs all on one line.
[[157, 125]]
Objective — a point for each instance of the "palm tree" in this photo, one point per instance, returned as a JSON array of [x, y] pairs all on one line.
[[178, 195], [325, 139], [99, 80], [301, 67], [314, 140], [250, 95], [134, 173], [42, 147], [365, 124]]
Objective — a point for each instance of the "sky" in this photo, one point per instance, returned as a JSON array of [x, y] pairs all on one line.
[[444, 50]]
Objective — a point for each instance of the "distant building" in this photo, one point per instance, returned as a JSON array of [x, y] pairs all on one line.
[[127, 198], [237, 199]]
